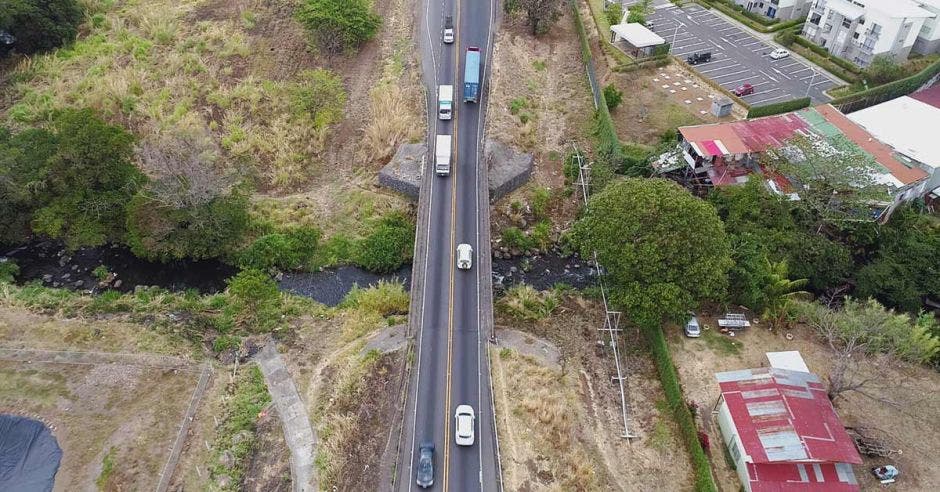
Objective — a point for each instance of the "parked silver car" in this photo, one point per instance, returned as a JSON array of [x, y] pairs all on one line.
[[692, 328]]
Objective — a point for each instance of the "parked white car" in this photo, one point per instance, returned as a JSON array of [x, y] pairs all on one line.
[[464, 425], [692, 327], [779, 53], [464, 256]]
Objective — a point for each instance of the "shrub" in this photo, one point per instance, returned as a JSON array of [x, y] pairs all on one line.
[[614, 13], [540, 199], [40, 25], [320, 96], [513, 237], [339, 25], [384, 298], [524, 302], [613, 96], [883, 69], [389, 246], [8, 271], [542, 235], [779, 108], [254, 300], [786, 38], [285, 251]]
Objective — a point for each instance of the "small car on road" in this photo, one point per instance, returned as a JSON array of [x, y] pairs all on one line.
[[692, 327], [425, 465], [696, 58], [779, 53], [463, 432], [464, 256], [744, 90], [448, 30]]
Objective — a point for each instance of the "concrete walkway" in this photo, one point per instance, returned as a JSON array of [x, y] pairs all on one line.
[[292, 410]]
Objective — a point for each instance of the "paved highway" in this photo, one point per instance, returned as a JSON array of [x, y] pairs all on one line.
[[451, 366]]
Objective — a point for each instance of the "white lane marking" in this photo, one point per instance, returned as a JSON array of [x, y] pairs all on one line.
[[716, 44], [731, 74], [765, 74], [761, 101]]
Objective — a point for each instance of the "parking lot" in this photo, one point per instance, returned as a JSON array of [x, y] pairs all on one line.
[[737, 57]]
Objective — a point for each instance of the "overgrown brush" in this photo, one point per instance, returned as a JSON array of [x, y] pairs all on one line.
[[522, 301]]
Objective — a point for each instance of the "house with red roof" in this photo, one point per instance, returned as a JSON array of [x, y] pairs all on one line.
[[782, 431], [725, 154]]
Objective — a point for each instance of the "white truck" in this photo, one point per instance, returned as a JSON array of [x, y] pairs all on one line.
[[445, 102], [442, 155]]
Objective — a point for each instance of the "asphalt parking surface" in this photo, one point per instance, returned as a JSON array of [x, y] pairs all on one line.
[[738, 57]]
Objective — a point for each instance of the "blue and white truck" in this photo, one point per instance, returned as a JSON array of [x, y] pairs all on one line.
[[471, 76]]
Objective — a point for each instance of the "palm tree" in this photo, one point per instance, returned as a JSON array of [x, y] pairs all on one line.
[[780, 290]]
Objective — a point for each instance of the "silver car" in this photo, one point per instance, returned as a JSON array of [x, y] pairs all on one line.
[[692, 327]]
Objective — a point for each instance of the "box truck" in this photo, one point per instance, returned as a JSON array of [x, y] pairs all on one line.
[[445, 102], [471, 76], [442, 155]]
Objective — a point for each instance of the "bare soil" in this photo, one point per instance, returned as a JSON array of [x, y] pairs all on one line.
[[561, 429], [539, 102], [910, 424], [94, 409], [268, 468]]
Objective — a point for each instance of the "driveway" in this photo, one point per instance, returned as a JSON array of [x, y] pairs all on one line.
[[738, 57]]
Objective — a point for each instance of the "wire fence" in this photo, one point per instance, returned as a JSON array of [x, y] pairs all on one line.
[[611, 317]]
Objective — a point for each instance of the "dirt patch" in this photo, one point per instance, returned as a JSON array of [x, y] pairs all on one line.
[[543, 351], [130, 413], [909, 426], [595, 456], [268, 468], [540, 102]]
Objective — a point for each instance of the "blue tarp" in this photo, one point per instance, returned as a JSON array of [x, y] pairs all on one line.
[[29, 455]]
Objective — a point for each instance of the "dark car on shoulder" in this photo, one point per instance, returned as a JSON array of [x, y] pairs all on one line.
[[425, 465], [696, 58], [6, 43]]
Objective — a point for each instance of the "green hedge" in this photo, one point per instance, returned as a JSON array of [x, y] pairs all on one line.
[[891, 90], [778, 108], [608, 153], [704, 482], [843, 69]]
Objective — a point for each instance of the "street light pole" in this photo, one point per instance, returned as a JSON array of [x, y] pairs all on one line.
[[678, 25], [810, 86]]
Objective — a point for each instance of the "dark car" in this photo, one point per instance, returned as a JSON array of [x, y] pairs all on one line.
[[696, 58], [744, 90], [6, 43], [425, 465]]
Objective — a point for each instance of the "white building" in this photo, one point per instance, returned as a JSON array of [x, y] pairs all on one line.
[[909, 125], [928, 40], [783, 10], [859, 30]]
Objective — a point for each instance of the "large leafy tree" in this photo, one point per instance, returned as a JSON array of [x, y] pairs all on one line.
[[40, 25], [835, 179], [338, 25], [664, 250], [189, 209], [23, 157], [87, 182], [539, 14]]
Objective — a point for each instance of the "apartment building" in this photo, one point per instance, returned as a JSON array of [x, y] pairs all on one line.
[[859, 30], [928, 40], [783, 10]]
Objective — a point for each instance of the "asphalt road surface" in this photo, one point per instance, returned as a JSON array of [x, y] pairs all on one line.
[[451, 365], [738, 57]]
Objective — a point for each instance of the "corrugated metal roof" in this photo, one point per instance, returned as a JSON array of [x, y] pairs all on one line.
[[785, 416]]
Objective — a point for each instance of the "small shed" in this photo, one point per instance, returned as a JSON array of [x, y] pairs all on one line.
[[721, 106], [637, 39]]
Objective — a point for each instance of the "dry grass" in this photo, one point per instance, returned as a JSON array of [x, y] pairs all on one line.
[[160, 64]]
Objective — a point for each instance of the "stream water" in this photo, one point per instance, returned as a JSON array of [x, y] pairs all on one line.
[[50, 263]]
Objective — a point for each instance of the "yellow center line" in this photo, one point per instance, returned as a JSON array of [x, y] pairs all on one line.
[[453, 247]]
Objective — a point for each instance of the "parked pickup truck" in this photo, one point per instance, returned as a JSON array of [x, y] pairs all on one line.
[[442, 155], [445, 102]]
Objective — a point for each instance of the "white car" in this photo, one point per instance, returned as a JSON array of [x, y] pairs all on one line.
[[464, 425], [692, 327], [779, 53], [464, 256]]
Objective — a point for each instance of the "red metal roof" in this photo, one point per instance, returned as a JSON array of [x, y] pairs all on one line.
[[785, 416], [745, 136], [929, 96], [802, 477]]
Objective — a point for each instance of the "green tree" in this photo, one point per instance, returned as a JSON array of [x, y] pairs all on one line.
[[750, 272], [779, 291], [40, 25], [835, 179], [613, 96], [539, 14], [339, 25], [786, 38], [188, 209], [23, 160], [282, 250], [823, 262], [883, 69], [88, 181], [614, 13], [664, 250], [639, 11]]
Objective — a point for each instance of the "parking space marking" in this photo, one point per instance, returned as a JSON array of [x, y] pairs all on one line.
[[732, 74]]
